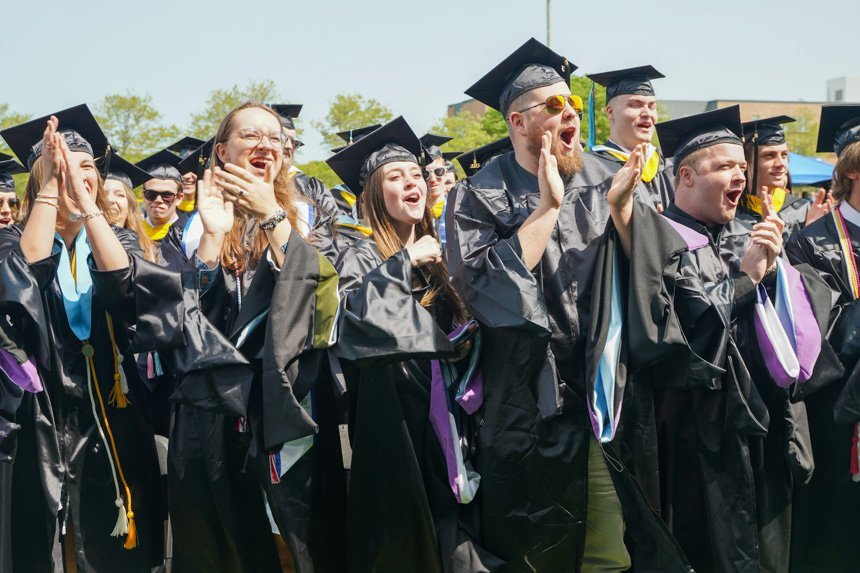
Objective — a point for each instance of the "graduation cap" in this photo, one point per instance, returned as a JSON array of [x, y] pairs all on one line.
[[472, 161], [449, 166], [288, 112], [8, 168], [531, 66], [185, 146], [162, 165], [681, 137], [766, 131], [350, 136], [431, 139], [449, 155], [122, 170], [838, 127], [198, 160], [77, 125], [394, 141], [630, 81]]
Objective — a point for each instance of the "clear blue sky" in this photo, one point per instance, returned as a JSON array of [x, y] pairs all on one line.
[[415, 58]]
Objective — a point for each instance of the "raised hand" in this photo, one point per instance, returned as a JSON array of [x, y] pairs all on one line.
[[254, 195], [425, 251], [216, 214], [765, 241], [624, 182], [549, 181], [75, 184], [53, 166], [821, 205]]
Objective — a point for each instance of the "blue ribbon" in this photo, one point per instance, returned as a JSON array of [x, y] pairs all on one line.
[[77, 289], [592, 137]]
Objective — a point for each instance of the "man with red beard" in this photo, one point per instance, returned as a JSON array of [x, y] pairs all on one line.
[[9, 202], [524, 235], [631, 107]]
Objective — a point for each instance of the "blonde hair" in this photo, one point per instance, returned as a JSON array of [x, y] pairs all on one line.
[[34, 184], [847, 162], [134, 222], [235, 254], [389, 244], [693, 161]]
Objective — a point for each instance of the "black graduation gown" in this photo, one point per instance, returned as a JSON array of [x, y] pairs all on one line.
[[11, 397], [218, 459], [661, 189], [793, 212], [61, 470], [535, 431], [401, 514], [827, 510], [712, 418], [326, 211]]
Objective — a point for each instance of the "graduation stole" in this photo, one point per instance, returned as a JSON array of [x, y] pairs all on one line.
[[854, 280], [349, 197], [601, 403], [753, 203], [438, 208], [652, 163], [348, 222], [76, 286], [187, 204], [157, 232], [450, 392]]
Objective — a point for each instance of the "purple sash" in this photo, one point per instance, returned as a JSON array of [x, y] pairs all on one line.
[[25, 375]]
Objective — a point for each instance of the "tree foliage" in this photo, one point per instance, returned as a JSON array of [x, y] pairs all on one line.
[[350, 111], [205, 123], [321, 171], [135, 128], [8, 119], [802, 135]]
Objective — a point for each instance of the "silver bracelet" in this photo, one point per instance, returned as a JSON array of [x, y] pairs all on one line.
[[75, 217], [47, 202]]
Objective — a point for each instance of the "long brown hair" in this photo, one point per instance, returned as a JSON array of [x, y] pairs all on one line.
[[134, 222], [234, 254], [848, 162], [389, 244]]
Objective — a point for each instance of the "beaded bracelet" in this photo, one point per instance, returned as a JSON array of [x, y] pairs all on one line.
[[273, 221]]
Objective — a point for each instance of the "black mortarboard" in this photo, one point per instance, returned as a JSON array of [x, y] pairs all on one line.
[[185, 146], [766, 131], [394, 141], [530, 67], [350, 136], [838, 127], [449, 166], [681, 137], [8, 168], [123, 170], [631, 81], [77, 125], [288, 112], [472, 161], [449, 155], [162, 165], [198, 160], [430, 139]]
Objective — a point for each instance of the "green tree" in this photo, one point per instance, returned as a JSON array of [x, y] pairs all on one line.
[[135, 128], [321, 171], [350, 111], [205, 123], [466, 128], [9, 119], [802, 135]]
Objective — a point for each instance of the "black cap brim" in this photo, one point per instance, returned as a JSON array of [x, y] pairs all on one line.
[[353, 135], [21, 138], [347, 163], [472, 161], [488, 90], [765, 129], [430, 139], [162, 165], [832, 118], [118, 165], [629, 81], [197, 161], [185, 146], [287, 110], [677, 133]]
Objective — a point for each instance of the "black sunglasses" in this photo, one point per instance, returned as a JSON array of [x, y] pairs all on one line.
[[439, 172], [166, 196]]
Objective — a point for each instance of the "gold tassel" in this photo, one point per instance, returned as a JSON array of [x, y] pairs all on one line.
[[131, 538], [117, 397]]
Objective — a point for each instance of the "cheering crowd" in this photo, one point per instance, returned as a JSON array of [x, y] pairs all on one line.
[[620, 359]]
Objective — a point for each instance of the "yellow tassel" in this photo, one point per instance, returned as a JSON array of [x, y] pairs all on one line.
[[131, 538], [117, 397]]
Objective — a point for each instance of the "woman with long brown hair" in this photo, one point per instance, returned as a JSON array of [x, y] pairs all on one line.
[[68, 283], [123, 210], [411, 479], [259, 277]]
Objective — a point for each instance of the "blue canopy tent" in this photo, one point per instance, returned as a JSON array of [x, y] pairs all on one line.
[[807, 170]]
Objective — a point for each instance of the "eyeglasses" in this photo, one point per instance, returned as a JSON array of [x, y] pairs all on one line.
[[166, 196], [292, 141], [556, 104], [439, 172], [13, 202], [254, 137]]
